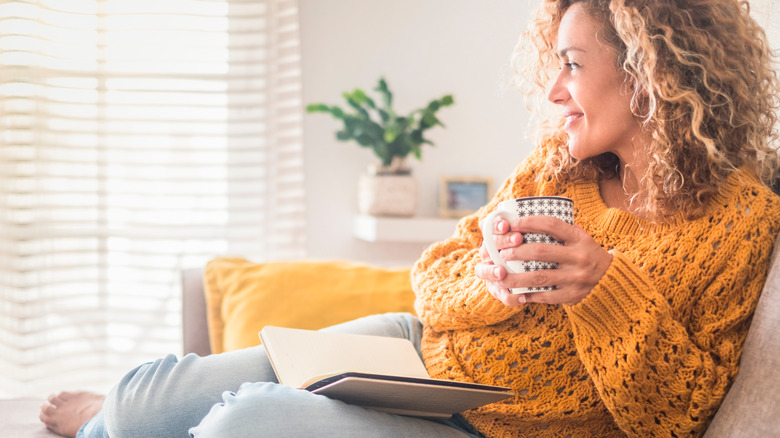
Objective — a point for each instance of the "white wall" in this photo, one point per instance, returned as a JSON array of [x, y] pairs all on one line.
[[424, 49], [767, 13]]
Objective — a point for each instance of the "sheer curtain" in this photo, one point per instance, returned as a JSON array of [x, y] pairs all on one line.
[[138, 138]]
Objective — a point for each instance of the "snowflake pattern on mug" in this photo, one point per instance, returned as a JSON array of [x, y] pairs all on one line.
[[558, 207]]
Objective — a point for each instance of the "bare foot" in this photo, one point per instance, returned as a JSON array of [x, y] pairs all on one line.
[[66, 412]]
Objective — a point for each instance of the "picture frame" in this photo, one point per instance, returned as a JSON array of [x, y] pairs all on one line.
[[461, 196]]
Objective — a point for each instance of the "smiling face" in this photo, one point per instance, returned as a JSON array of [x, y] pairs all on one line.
[[591, 91]]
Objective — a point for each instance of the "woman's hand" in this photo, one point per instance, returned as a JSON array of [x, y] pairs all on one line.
[[581, 262]]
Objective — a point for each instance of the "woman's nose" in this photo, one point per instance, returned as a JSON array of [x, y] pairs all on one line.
[[558, 93]]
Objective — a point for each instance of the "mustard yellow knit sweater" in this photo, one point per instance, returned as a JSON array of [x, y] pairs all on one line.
[[651, 351]]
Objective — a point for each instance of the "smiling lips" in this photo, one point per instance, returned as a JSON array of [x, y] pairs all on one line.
[[570, 117]]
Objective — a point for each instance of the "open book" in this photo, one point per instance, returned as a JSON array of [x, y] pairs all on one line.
[[371, 371]]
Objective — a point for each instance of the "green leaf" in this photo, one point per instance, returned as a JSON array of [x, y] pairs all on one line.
[[416, 136], [391, 133], [376, 131], [351, 123], [387, 96], [352, 101], [316, 108], [428, 119], [404, 145], [361, 98], [380, 150], [384, 115], [392, 136], [357, 95], [356, 106], [365, 140]]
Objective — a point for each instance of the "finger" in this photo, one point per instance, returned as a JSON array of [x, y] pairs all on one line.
[[484, 254], [538, 297], [489, 271], [521, 298], [543, 252], [538, 278], [494, 289], [503, 295], [565, 290], [500, 225], [503, 235], [558, 229], [517, 299], [508, 240], [505, 239]]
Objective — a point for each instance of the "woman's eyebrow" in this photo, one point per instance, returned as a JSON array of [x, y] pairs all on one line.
[[562, 52]]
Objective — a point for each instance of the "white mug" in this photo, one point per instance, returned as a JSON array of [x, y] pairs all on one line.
[[555, 206]]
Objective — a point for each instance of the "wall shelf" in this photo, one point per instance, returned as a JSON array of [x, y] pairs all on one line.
[[404, 230]]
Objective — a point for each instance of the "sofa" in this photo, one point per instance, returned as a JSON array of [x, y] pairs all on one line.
[[751, 408], [226, 303]]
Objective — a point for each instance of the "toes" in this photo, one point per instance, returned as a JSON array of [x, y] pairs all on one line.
[[47, 410], [60, 398], [66, 395]]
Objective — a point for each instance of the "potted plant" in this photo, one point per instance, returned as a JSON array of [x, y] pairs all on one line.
[[387, 188]]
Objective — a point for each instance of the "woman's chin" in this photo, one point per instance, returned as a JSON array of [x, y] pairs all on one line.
[[576, 152]]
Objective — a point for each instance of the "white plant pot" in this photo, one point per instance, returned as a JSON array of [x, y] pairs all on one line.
[[387, 194]]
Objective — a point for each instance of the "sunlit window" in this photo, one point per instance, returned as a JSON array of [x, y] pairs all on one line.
[[138, 138]]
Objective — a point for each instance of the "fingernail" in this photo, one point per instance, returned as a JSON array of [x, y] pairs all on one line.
[[521, 298], [497, 272], [502, 227]]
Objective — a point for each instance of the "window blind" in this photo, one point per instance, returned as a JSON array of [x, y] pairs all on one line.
[[137, 138]]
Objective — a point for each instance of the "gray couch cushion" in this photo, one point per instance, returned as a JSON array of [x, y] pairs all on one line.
[[195, 336], [19, 419], [752, 406]]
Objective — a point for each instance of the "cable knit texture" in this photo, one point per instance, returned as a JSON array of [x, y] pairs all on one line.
[[651, 351]]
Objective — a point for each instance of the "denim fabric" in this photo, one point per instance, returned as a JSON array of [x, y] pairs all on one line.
[[271, 410], [235, 395]]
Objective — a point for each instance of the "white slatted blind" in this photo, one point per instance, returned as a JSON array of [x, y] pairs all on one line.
[[137, 138]]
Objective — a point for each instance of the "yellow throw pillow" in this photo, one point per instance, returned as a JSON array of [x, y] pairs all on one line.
[[242, 296]]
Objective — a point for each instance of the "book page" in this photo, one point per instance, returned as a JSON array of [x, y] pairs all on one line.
[[299, 356]]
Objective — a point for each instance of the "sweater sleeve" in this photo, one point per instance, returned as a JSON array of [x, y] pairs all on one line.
[[657, 376], [449, 294]]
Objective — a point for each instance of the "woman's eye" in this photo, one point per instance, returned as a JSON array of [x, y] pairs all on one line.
[[571, 65]]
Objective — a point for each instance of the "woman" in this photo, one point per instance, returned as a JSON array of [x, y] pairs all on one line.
[[667, 121], [666, 114]]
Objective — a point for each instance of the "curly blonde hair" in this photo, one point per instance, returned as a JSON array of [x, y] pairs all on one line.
[[704, 86]]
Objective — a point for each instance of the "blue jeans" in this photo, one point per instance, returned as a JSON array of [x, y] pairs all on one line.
[[235, 395]]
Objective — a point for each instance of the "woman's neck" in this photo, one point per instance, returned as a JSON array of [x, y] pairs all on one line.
[[614, 195], [620, 191]]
